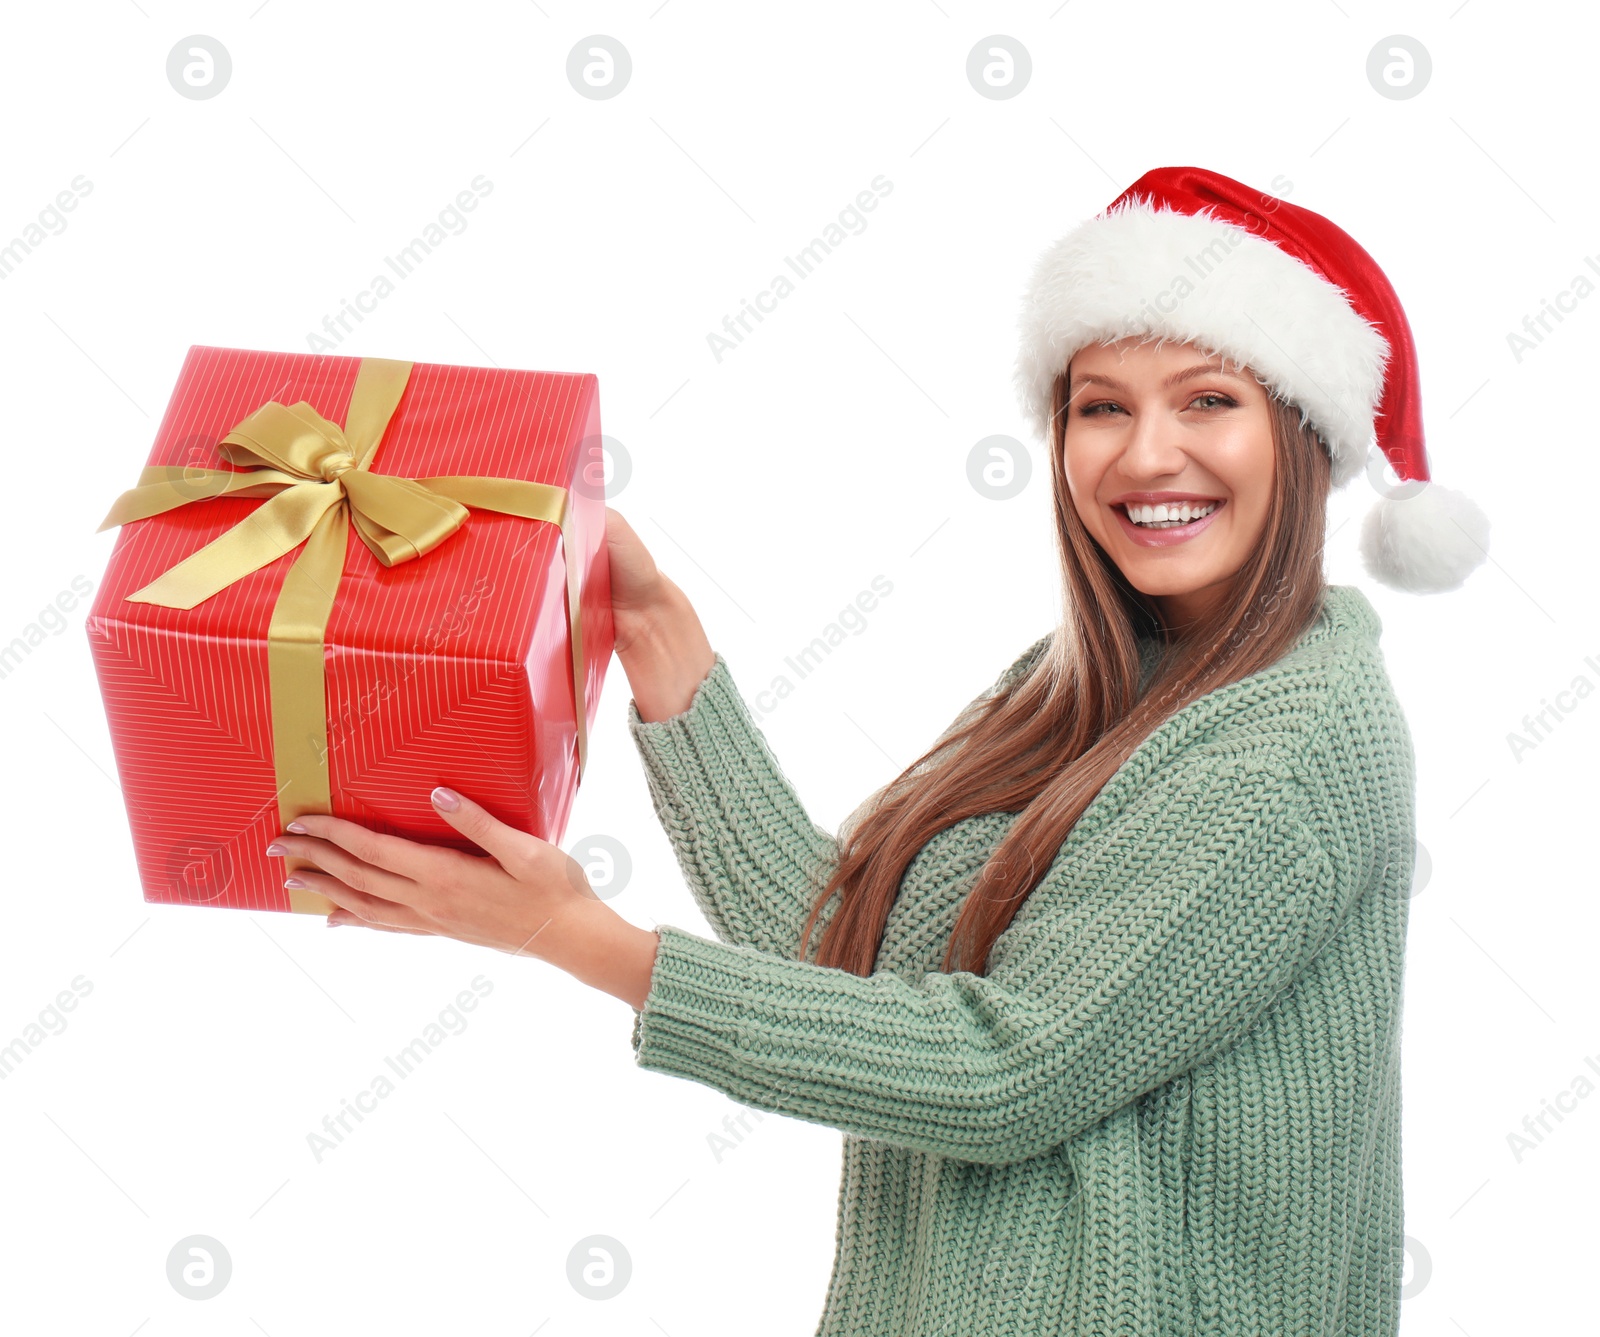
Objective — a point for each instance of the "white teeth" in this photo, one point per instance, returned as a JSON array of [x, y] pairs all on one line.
[[1170, 513]]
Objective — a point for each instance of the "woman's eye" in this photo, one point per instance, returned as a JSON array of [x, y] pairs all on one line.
[[1100, 407]]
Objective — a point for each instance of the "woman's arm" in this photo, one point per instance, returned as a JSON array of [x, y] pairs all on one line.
[[752, 857], [747, 849], [754, 860], [1145, 952]]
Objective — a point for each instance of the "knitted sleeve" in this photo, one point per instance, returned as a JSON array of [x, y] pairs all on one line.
[[1150, 947], [754, 860]]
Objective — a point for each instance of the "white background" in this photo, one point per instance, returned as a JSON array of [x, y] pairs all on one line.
[[773, 485]]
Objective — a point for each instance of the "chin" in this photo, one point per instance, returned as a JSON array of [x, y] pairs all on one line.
[[1171, 582]]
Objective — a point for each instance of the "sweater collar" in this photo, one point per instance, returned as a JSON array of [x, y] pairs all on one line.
[[1346, 611]]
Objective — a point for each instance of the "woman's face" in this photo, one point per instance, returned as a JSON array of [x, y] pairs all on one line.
[[1146, 426]]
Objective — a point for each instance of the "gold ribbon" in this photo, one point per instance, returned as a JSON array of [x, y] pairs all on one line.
[[317, 478]]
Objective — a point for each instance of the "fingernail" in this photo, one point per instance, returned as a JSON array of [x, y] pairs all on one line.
[[297, 827], [275, 849], [447, 799], [294, 884], [335, 923]]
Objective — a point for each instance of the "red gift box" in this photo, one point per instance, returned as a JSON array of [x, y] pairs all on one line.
[[454, 664]]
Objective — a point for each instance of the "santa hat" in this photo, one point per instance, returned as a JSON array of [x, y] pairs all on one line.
[[1195, 257]]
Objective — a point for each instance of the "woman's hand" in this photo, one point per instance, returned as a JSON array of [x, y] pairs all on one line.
[[529, 898], [639, 590], [659, 639]]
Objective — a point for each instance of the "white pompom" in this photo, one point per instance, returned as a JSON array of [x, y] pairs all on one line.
[[1425, 543]]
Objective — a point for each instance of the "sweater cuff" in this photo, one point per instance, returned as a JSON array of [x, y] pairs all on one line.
[[684, 963], [709, 738], [690, 1025], [727, 1016], [675, 729], [711, 758]]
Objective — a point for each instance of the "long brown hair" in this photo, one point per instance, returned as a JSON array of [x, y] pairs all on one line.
[[1043, 746]]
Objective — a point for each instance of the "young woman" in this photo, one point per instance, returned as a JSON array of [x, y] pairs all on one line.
[[1104, 991]]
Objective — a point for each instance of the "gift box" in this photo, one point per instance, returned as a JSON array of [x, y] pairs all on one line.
[[338, 583]]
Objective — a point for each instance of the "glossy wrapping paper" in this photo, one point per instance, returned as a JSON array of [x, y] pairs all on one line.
[[452, 668]]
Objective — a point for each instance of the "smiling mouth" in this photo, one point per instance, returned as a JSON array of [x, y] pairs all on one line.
[[1167, 515]]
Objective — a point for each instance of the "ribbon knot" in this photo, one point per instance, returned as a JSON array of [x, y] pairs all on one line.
[[317, 481]]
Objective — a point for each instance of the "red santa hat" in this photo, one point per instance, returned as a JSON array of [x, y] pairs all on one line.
[[1192, 256]]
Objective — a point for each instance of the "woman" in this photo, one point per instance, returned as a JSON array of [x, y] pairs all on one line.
[[1104, 991]]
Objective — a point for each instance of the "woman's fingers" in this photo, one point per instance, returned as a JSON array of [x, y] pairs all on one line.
[[355, 873], [504, 900], [407, 859], [339, 918], [514, 850], [373, 911]]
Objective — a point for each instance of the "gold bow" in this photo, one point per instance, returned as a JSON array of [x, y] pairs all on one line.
[[318, 480]]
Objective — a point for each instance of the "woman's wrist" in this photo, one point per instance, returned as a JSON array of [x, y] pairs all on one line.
[[598, 947], [668, 656]]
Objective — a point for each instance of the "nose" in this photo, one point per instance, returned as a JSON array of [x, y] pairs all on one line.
[[1153, 448]]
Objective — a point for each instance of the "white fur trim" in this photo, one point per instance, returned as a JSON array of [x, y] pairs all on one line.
[[1424, 543], [1246, 299]]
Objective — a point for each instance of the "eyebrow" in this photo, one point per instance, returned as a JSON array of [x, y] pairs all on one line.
[[1177, 378]]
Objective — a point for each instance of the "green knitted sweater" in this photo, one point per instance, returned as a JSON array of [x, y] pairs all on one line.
[[1171, 1106]]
